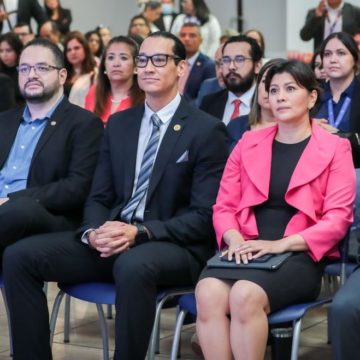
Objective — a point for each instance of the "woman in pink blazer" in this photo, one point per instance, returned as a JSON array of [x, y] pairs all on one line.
[[290, 187]]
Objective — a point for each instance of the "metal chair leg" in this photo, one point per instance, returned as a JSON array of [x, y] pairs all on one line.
[[109, 314], [67, 319], [177, 335], [8, 321], [295, 339], [54, 314], [104, 331]]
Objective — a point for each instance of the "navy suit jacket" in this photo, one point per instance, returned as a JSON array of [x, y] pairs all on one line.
[[7, 92], [203, 68], [181, 194], [214, 104], [208, 86], [64, 159], [28, 9]]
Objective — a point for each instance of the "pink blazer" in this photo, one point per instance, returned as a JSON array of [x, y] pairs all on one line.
[[322, 188]]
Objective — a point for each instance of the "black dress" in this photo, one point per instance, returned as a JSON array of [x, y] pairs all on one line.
[[299, 278]]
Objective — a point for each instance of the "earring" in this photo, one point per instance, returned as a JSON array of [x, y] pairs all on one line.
[[105, 72]]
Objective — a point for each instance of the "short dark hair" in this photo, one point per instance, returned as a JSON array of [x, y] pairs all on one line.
[[45, 43], [53, 26], [191, 25], [301, 72], [347, 41], [255, 50], [202, 11], [153, 5], [13, 40], [178, 48], [23, 23]]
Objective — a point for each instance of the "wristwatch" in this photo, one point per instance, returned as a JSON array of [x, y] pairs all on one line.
[[142, 235]]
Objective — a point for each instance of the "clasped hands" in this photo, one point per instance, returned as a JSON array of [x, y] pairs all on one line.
[[112, 238], [245, 251]]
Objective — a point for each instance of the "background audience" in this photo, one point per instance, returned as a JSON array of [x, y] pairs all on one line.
[[56, 13]]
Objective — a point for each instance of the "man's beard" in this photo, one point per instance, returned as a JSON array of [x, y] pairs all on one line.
[[40, 95], [240, 85]]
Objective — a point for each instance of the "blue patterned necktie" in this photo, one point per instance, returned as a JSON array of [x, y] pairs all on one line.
[[147, 163]]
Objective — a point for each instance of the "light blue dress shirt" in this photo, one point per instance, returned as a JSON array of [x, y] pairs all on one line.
[[14, 174]]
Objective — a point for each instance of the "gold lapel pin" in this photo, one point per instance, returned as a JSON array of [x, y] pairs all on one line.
[[177, 127], [53, 123]]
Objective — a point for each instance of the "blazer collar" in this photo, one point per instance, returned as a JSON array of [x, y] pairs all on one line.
[[256, 159]]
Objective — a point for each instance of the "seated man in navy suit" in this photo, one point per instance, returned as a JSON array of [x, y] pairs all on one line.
[[148, 218], [200, 66]]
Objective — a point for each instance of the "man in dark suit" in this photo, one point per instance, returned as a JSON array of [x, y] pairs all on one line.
[[25, 11], [7, 93], [328, 17], [147, 221], [200, 66], [241, 62], [168, 15], [48, 151]]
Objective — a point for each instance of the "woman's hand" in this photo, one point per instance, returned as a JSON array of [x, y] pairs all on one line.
[[257, 248], [234, 240]]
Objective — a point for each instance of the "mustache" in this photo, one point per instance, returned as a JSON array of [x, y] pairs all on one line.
[[232, 73], [33, 82]]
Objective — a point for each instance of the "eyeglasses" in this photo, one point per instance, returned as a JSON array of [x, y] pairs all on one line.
[[158, 60], [238, 60], [38, 68]]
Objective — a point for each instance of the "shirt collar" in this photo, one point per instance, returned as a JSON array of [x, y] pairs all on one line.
[[27, 116], [191, 60], [167, 112], [244, 98], [349, 91]]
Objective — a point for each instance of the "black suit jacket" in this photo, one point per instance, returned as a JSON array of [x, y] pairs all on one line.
[[64, 159], [203, 68], [159, 23], [354, 135], [28, 9], [314, 26], [214, 104], [180, 195], [7, 93]]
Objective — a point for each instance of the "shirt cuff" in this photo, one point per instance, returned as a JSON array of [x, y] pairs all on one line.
[[84, 236]]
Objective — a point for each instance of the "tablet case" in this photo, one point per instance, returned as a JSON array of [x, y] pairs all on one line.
[[273, 263]]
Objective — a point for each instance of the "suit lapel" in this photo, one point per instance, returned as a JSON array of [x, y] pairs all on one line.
[[355, 108], [173, 133], [130, 142]]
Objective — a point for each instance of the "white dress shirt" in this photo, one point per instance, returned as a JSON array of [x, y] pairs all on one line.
[[245, 104]]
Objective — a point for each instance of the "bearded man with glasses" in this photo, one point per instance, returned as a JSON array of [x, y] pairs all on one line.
[[48, 151], [147, 221], [240, 64]]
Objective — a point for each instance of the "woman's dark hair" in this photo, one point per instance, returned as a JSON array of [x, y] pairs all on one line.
[[101, 44], [255, 50], [136, 17], [88, 64], [261, 37], [301, 72], [49, 11], [313, 60], [255, 111], [14, 42], [178, 48], [202, 11], [347, 41], [103, 86]]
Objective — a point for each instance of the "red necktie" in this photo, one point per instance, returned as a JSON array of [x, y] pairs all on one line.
[[236, 112]]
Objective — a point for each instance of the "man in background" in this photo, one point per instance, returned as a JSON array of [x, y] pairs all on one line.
[[24, 32], [168, 15]]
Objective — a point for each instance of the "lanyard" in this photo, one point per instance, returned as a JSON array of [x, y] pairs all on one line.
[[336, 122], [332, 26]]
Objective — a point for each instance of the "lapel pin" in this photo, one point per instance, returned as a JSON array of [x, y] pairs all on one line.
[[198, 63], [177, 127], [53, 123]]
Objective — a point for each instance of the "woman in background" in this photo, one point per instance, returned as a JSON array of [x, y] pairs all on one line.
[[56, 13], [316, 65], [95, 43], [339, 104], [289, 187], [10, 49], [196, 11], [116, 88], [81, 67]]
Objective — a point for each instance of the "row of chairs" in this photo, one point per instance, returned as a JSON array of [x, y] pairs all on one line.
[[104, 293]]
